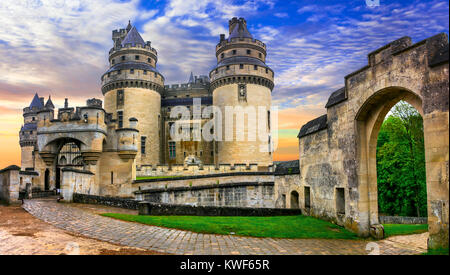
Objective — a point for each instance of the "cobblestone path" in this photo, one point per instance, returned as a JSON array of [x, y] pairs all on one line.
[[86, 222]]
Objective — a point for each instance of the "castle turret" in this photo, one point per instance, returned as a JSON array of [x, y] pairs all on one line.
[[28, 131], [132, 88], [241, 78]]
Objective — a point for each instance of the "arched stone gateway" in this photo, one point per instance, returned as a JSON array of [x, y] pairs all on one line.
[[338, 150], [82, 149]]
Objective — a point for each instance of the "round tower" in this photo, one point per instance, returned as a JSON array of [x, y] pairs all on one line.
[[28, 132], [132, 88], [242, 79]]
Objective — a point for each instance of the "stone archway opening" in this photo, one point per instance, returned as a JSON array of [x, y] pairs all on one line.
[[69, 155], [295, 200], [401, 180], [369, 121]]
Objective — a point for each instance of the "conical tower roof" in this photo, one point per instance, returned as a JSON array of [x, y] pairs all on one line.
[[36, 102], [129, 26], [133, 37], [49, 104], [240, 30]]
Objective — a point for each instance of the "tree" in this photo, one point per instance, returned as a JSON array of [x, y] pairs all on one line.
[[401, 163]]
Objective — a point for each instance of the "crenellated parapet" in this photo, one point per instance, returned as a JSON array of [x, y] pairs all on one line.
[[198, 169], [226, 47], [84, 125], [145, 51]]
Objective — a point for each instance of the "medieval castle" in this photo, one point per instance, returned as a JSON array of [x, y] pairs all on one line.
[[132, 129], [125, 147]]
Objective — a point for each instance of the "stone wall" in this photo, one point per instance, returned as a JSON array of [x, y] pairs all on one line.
[[245, 151], [201, 180], [127, 203], [77, 181], [159, 209], [403, 220], [321, 173], [243, 190], [338, 150], [9, 184], [284, 186], [27, 177], [245, 194]]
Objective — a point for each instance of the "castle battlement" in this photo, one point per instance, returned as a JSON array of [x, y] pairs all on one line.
[[197, 169], [129, 46], [236, 41]]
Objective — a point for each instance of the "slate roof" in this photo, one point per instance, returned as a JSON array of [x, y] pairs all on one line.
[[11, 167], [129, 26], [132, 65], [133, 37], [313, 126], [287, 167], [240, 31], [36, 102], [336, 97], [49, 104], [29, 127]]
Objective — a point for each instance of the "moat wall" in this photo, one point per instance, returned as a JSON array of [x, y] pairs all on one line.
[[154, 209]]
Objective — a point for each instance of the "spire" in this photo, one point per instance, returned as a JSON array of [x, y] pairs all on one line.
[[133, 37], [191, 78], [49, 104], [129, 26], [36, 102]]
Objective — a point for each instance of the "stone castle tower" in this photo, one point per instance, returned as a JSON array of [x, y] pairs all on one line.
[[132, 88], [241, 78], [28, 132]]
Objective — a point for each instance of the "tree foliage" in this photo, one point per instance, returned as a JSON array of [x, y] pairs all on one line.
[[401, 163]]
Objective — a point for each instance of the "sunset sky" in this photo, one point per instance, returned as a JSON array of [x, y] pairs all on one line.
[[60, 47]]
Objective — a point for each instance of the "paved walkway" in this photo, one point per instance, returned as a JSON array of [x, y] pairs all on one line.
[[85, 221]]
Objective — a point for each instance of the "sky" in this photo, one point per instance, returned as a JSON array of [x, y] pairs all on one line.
[[60, 47]]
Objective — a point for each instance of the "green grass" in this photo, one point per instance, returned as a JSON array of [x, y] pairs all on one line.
[[404, 229], [157, 177], [299, 227], [442, 251]]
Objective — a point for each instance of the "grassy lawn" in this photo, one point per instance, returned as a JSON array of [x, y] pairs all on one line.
[[156, 177], [299, 227], [443, 251], [404, 229]]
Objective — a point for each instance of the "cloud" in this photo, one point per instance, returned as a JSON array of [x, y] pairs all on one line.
[[314, 56], [281, 14]]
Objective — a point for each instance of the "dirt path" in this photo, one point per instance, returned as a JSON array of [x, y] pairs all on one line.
[[23, 234]]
